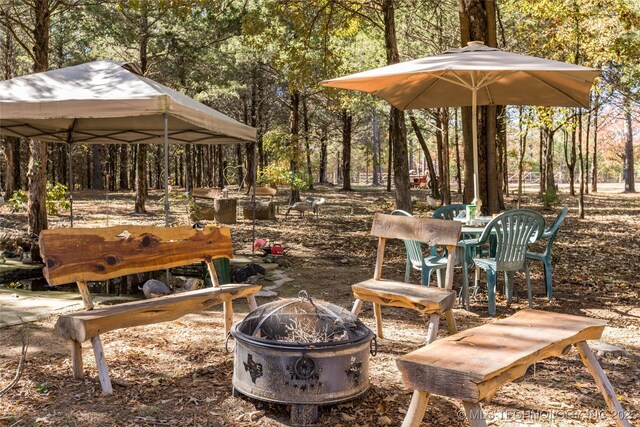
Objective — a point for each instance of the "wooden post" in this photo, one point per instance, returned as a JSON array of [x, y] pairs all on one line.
[[357, 306], [416, 410], [86, 296], [451, 262], [212, 273], [594, 368], [451, 322], [378, 313], [474, 414], [251, 300], [101, 363], [432, 331], [228, 316], [377, 273], [76, 359]]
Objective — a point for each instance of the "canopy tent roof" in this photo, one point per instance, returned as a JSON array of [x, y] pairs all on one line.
[[106, 102], [502, 78]]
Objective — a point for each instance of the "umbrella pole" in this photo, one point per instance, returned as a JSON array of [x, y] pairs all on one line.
[[166, 169], [474, 130], [70, 184]]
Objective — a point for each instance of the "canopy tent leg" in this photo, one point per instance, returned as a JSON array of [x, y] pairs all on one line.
[[166, 169], [70, 145]]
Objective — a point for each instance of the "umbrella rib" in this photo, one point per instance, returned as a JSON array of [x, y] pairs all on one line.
[[554, 88], [461, 82]]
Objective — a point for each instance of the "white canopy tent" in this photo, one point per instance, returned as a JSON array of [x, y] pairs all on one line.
[[108, 102]]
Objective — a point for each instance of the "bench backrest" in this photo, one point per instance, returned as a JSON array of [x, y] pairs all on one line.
[[263, 190], [434, 232], [206, 193], [95, 254]]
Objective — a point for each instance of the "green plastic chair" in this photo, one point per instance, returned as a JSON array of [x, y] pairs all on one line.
[[449, 211], [550, 234], [417, 261], [513, 231]]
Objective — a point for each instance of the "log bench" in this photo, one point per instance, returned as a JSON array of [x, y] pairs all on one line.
[[97, 254], [472, 365]]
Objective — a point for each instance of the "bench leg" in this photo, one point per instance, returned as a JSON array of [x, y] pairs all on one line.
[[357, 306], [76, 360], [101, 363], [474, 414], [416, 410], [251, 300], [228, 316], [451, 322], [432, 331], [378, 313], [603, 383]]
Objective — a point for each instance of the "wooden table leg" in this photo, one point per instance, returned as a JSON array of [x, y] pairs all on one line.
[[451, 322], [474, 414], [416, 410], [228, 316], [594, 368], [251, 300]]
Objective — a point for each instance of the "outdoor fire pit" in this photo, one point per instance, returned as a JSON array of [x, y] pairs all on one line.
[[303, 353]]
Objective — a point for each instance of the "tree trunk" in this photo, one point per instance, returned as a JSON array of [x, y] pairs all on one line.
[[457, 142], [239, 162], [435, 192], [124, 168], [549, 171], [397, 128], [347, 120], [375, 149], [294, 134], [594, 160], [322, 176], [522, 145], [446, 168], [9, 180], [96, 174], [389, 158], [570, 160], [541, 157], [141, 178], [629, 170], [37, 171], [307, 142], [188, 168], [582, 172]]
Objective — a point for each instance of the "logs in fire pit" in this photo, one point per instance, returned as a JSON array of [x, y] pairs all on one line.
[[303, 353]]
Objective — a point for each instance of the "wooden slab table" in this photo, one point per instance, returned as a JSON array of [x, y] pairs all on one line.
[[472, 365]]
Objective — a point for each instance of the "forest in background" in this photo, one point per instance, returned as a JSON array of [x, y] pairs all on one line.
[[261, 62]]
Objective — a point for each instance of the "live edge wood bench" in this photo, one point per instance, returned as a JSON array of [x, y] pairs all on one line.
[[97, 254], [472, 365]]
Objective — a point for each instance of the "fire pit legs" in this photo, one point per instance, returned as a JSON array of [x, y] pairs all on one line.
[[304, 415]]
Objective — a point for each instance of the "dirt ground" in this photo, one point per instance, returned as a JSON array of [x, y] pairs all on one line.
[[178, 373]]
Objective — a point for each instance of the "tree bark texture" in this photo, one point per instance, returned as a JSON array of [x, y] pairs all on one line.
[[629, 169], [397, 127], [96, 173], [375, 149], [594, 158], [347, 121], [294, 141], [307, 142]]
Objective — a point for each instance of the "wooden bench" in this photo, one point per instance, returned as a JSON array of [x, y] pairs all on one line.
[[83, 255], [263, 209], [425, 299], [472, 365], [206, 193]]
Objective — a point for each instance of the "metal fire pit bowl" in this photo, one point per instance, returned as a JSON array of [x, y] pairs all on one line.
[[303, 353]]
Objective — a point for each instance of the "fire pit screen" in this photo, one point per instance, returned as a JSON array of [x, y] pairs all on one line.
[[302, 352]]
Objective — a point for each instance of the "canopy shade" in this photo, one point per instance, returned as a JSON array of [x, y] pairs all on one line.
[[503, 78], [106, 102]]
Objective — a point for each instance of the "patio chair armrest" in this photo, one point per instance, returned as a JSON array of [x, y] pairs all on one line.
[[469, 242]]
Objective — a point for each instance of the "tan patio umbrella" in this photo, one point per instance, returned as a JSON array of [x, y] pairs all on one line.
[[475, 75]]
